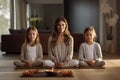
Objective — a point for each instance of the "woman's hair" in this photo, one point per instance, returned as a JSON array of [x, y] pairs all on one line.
[[55, 32], [26, 35], [91, 28]]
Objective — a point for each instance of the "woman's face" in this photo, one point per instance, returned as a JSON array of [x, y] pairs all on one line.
[[32, 35], [89, 36], [61, 26]]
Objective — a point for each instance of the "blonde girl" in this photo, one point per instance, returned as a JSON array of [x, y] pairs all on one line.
[[31, 50], [90, 53], [60, 46]]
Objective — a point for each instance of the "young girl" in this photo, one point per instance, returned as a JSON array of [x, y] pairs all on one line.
[[31, 51], [60, 46], [90, 53]]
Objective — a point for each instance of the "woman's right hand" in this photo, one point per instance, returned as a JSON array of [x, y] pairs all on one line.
[[56, 63], [29, 63]]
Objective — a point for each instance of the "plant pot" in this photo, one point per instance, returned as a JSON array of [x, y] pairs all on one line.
[[109, 33], [110, 47]]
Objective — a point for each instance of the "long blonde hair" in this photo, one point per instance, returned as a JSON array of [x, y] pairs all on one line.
[[55, 32], [91, 28], [37, 40]]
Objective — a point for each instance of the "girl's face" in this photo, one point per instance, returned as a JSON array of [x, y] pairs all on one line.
[[61, 26], [32, 35], [89, 36]]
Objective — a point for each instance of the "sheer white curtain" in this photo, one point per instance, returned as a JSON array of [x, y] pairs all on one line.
[[4, 17], [12, 15], [18, 16]]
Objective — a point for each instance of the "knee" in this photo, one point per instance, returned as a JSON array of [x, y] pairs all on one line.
[[83, 64], [103, 63], [48, 63], [99, 63], [75, 62], [18, 63], [72, 63], [15, 63]]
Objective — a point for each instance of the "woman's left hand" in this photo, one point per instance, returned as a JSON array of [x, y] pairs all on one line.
[[63, 64]]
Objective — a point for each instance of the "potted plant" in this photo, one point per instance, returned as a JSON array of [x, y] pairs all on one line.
[[37, 22], [110, 20]]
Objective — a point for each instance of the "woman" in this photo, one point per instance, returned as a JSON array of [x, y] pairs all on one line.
[[60, 46]]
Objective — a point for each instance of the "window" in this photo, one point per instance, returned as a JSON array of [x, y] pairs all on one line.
[[28, 14], [4, 17]]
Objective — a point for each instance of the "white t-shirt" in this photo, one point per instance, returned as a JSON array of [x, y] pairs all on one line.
[[31, 53], [89, 52], [61, 49]]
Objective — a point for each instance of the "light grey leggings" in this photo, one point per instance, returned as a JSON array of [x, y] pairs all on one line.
[[21, 64], [97, 64], [71, 63]]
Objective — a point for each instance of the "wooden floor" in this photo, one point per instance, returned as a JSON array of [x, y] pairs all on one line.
[[111, 71]]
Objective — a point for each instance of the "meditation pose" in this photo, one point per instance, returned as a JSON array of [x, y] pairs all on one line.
[[90, 53], [31, 50], [60, 46]]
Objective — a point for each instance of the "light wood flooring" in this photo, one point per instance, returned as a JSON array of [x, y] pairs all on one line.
[[111, 71]]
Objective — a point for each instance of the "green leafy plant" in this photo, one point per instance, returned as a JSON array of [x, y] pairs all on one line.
[[37, 22]]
